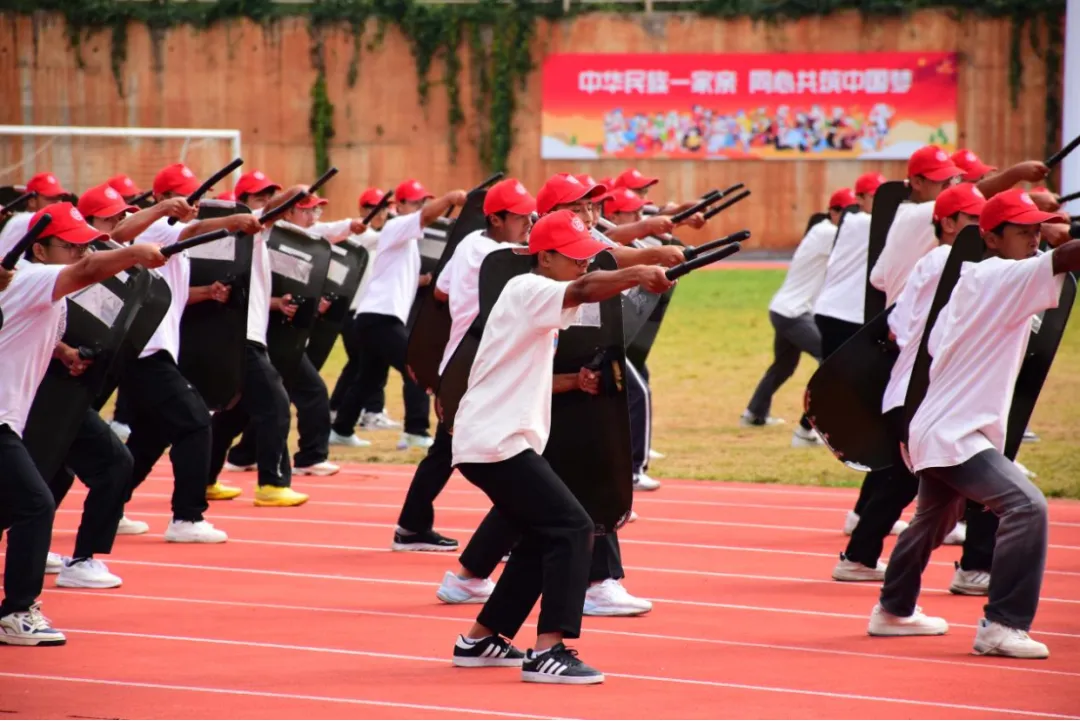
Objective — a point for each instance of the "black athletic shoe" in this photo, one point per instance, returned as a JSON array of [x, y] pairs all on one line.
[[423, 541], [558, 664], [487, 652]]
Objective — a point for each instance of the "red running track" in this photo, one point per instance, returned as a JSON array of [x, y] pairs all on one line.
[[305, 613]]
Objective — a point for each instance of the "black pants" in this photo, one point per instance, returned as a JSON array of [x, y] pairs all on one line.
[[350, 374], [418, 513], [122, 410], [834, 333], [264, 402], [168, 411], [791, 338], [496, 535], [308, 394], [639, 402], [982, 528], [385, 341], [551, 561], [104, 466], [27, 510]]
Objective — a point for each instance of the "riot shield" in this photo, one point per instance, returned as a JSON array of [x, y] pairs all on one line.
[[99, 319], [843, 398], [347, 265], [887, 199], [589, 446], [300, 262], [430, 328], [212, 335]]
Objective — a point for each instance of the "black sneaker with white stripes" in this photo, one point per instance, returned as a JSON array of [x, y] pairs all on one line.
[[558, 664], [487, 652], [422, 541]]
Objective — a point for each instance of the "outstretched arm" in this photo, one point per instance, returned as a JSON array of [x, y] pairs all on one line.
[[601, 284]]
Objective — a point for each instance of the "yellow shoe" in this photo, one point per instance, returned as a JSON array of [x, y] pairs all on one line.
[[278, 496], [221, 492]]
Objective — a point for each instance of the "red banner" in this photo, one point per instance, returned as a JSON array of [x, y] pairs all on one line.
[[751, 106]]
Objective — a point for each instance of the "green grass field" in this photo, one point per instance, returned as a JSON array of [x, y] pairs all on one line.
[[714, 345]]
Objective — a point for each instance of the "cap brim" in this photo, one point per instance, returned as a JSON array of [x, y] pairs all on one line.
[[597, 192], [415, 198], [943, 173], [81, 236], [1032, 217], [262, 188], [526, 206], [309, 203], [583, 248], [116, 209], [643, 183]]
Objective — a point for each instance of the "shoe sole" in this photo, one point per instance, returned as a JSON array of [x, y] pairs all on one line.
[[321, 474], [69, 584], [194, 540], [225, 497], [428, 547], [447, 598], [537, 677], [995, 651], [969, 591], [898, 632], [130, 533], [17, 641], [857, 579], [620, 611], [279, 504], [467, 662], [52, 571], [365, 444], [647, 490]]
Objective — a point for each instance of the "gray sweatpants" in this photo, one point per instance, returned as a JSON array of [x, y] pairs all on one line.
[[1020, 547], [794, 336]]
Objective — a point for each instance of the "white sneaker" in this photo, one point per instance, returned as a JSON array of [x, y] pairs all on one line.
[[747, 420], [898, 528], [333, 416], [803, 438], [54, 563], [633, 516], [1025, 470], [464, 590], [883, 623], [854, 571], [970, 583], [233, 468], [643, 483], [121, 430], [655, 455], [956, 536], [353, 441], [128, 527], [378, 421], [88, 573], [609, 598], [411, 440], [326, 468], [29, 628], [993, 639], [194, 532], [852, 520]]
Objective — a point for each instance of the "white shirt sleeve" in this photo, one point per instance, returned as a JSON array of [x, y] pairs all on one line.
[[13, 231], [1026, 287], [400, 230], [877, 274], [334, 231], [442, 283], [32, 287], [539, 301], [161, 232]]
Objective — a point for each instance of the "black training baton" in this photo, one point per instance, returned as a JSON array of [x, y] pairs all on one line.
[[1060, 155], [378, 208], [141, 197], [495, 177], [323, 179], [27, 240], [702, 260], [214, 180], [697, 207], [194, 241], [1066, 198], [726, 204], [691, 253], [18, 201]]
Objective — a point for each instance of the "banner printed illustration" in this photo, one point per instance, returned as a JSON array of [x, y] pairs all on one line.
[[748, 106]]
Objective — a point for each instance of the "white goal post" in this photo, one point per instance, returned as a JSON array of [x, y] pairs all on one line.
[[82, 157]]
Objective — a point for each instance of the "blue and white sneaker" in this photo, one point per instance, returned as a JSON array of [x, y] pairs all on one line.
[[558, 664], [29, 628], [493, 651]]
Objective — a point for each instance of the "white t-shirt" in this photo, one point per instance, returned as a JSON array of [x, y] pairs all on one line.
[[911, 236], [978, 345], [259, 287], [396, 269], [843, 294], [908, 321], [13, 231], [32, 327], [334, 231], [369, 240], [460, 279], [806, 274], [177, 273], [507, 407]]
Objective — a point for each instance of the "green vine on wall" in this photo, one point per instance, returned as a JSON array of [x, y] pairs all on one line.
[[499, 37]]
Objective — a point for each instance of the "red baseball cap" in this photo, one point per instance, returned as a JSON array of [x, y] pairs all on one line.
[[67, 224], [509, 195], [1013, 206], [175, 178], [227, 195], [311, 201], [563, 231], [586, 179], [253, 183], [371, 197], [563, 188], [634, 180], [842, 198], [46, 185], [961, 198], [624, 200], [974, 168], [124, 185], [411, 191], [868, 183], [103, 201], [932, 163]]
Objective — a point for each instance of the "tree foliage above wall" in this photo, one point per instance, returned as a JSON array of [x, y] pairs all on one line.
[[498, 39]]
